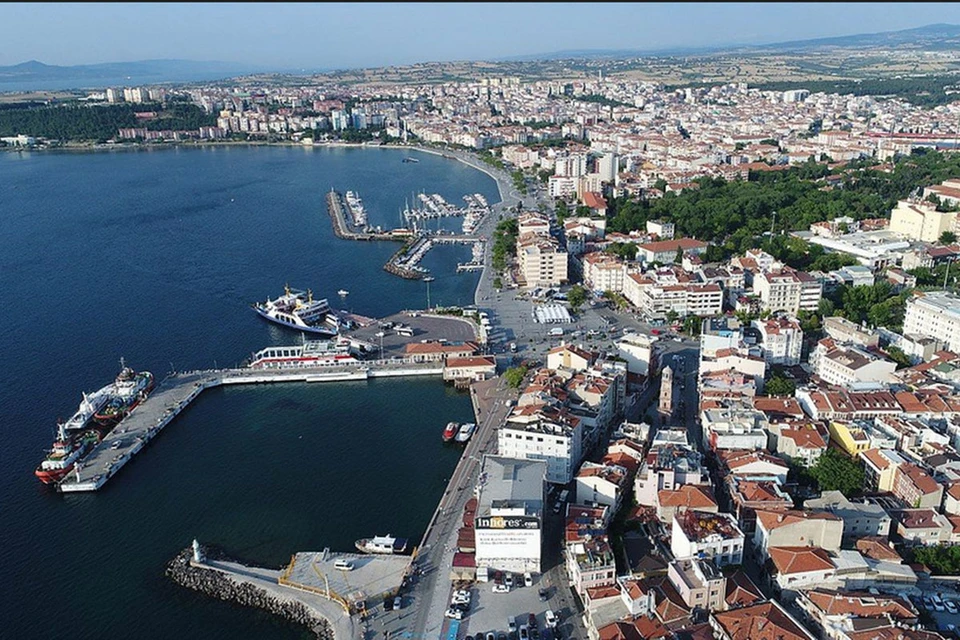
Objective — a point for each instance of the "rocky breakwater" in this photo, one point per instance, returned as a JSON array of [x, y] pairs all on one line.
[[216, 583]]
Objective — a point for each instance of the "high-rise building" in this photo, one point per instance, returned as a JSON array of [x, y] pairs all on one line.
[[935, 314]]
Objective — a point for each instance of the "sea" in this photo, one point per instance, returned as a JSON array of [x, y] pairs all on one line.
[[154, 256]]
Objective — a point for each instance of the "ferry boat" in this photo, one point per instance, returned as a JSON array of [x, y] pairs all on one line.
[[298, 310], [129, 389], [382, 544], [312, 353], [466, 431], [67, 449], [450, 432]]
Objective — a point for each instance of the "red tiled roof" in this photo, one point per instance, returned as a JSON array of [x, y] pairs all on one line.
[[765, 621], [789, 560]]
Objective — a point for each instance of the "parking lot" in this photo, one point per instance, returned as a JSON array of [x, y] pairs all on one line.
[[492, 612]]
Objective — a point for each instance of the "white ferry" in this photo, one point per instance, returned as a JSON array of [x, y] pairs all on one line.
[[298, 310], [312, 353]]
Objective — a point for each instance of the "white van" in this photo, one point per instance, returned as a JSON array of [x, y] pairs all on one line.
[[344, 565], [556, 331]]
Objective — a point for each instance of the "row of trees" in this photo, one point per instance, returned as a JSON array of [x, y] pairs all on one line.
[[99, 122], [504, 242]]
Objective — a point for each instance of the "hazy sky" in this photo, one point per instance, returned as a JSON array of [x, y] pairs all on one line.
[[341, 35]]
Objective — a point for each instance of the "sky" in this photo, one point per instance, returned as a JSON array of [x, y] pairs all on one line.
[[290, 36]]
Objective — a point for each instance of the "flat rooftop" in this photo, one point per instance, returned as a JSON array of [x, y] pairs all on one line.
[[507, 482]]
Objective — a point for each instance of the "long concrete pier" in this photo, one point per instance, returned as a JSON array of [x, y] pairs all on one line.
[[178, 390]]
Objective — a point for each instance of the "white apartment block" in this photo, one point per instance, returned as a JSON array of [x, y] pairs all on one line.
[[782, 340], [656, 295], [844, 366], [542, 262], [562, 186], [842, 330], [572, 166], [532, 223], [788, 290], [937, 315], [603, 272], [559, 445], [734, 429], [637, 350], [664, 230], [700, 534], [920, 221]]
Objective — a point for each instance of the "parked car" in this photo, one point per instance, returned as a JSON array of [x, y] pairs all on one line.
[[397, 602], [551, 618], [524, 632], [453, 613], [501, 588], [527, 579], [508, 580], [511, 624], [543, 594]]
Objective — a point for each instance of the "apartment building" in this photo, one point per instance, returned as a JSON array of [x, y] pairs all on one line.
[[781, 340], [542, 262], [603, 272], [843, 366], [797, 529], [787, 290], [920, 221], [935, 314], [843, 331], [713, 536], [699, 583], [528, 435]]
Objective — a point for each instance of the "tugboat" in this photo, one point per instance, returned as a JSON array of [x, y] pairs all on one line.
[[450, 432], [298, 310], [382, 544], [465, 432], [66, 451], [128, 390]]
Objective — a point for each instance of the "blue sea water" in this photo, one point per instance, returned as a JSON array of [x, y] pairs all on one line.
[[155, 256]]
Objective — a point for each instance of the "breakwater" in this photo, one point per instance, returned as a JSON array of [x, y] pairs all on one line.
[[335, 207], [224, 587]]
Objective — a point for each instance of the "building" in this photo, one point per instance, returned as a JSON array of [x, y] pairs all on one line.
[[665, 251], [916, 487], [541, 260], [922, 526], [734, 428], [663, 230], [859, 518], [880, 468], [687, 497], [842, 331], [781, 340], [794, 528], [787, 290], [838, 614], [699, 583], [603, 272], [529, 435], [571, 357], [532, 223], [797, 568], [637, 350], [509, 516], [601, 484], [935, 314], [803, 443], [471, 368], [920, 221], [666, 391], [666, 468], [847, 366], [714, 536], [763, 621]]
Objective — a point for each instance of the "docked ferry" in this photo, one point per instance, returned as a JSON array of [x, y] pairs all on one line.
[[312, 353], [298, 310], [129, 389], [382, 544]]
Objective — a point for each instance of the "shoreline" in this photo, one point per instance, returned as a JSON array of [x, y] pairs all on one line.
[[465, 157]]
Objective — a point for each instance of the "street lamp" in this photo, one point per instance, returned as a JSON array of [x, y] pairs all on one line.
[[380, 335]]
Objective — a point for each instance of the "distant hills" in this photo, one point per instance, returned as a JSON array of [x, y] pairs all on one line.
[[930, 37], [37, 75]]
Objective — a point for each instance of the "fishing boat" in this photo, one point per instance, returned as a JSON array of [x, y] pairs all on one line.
[[466, 431], [450, 432], [382, 544]]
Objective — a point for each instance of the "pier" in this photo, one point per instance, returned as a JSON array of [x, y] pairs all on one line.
[[177, 391], [336, 206], [406, 261]]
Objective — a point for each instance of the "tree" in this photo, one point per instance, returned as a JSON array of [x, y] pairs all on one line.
[[780, 386], [948, 237], [679, 257], [514, 376], [576, 297], [497, 283], [897, 355], [691, 325], [836, 472]]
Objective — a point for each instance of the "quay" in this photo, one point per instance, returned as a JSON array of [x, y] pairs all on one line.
[[177, 391], [406, 261], [335, 207]]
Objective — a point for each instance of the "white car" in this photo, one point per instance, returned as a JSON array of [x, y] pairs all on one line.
[[527, 579], [456, 614], [551, 618], [501, 588]]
